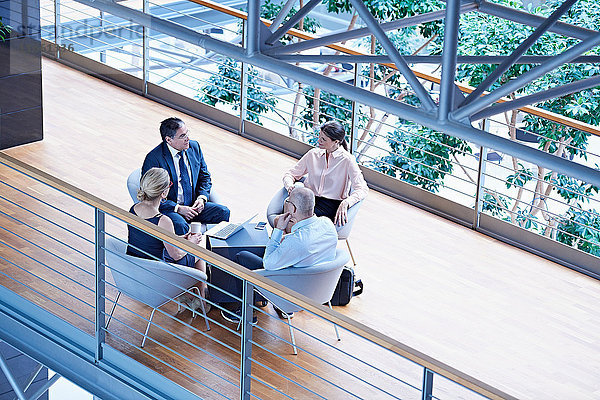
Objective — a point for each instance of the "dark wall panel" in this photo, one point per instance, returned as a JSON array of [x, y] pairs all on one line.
[[21, 118], [20, 127]]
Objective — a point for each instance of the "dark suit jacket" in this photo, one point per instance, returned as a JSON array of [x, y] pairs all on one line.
[[161, 157]]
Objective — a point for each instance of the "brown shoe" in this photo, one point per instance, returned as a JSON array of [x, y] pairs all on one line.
[[261, 303]]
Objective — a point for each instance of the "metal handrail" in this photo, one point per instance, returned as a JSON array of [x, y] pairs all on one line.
[[250, 280], [540, 136], [349, 324]]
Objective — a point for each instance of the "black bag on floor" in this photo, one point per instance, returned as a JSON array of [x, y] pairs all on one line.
[[346, 288]]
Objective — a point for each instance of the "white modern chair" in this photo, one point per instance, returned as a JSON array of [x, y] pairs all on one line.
[[276, 207], [317, 283], [152, 282], [133, 184]]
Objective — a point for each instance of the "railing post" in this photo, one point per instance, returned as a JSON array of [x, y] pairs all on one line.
[[145, 52], [483, 153], [243, 97], [246, 344], [427, 392], [57, 27], [103, 52], [353, 127], [243, 85], [100, 286]]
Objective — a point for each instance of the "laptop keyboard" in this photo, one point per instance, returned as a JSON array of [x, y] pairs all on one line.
[[225, 231]]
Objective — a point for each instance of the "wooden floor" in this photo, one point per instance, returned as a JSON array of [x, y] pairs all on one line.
[[511, 319]]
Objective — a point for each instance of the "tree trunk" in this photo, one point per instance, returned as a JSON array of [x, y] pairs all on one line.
[[317, 96]]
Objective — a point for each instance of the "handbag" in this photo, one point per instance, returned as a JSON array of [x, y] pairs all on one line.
[[346, 288]]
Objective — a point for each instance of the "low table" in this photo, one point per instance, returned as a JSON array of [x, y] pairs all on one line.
[[248, 238]]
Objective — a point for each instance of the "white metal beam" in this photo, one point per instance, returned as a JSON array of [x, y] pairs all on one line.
[[447, 86], [402, 110], [373, 25], [361, 32], [519, 51]]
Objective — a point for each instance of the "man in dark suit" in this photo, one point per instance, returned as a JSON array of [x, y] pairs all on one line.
[[188, 198]]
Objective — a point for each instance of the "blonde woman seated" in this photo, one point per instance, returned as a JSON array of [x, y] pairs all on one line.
[[331, 173], [154, 187]]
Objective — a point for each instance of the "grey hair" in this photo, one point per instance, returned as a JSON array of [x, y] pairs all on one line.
[[153, 183], [304, 200]]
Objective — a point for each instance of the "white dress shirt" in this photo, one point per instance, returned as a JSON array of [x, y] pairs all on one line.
[[175, 154]]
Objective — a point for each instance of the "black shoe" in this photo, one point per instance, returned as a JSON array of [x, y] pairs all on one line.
[[282, 314], [236, 316]]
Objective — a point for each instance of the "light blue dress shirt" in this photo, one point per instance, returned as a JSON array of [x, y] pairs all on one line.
[[311, 242]]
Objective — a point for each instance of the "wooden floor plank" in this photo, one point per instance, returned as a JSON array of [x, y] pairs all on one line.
[[511, 319]]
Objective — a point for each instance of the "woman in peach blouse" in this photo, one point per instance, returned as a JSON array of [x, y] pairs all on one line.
[[331, 173]]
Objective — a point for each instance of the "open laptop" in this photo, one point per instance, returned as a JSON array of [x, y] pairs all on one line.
[[224, 229]]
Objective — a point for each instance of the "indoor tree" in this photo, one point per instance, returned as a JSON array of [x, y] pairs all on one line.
[[421, 156], [224, 87], [488, 35], [4, 30]]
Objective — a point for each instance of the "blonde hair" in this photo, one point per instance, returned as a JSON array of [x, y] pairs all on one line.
[[153, 183]]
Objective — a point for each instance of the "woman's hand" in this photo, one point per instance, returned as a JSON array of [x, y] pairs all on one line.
[[294, 186], [195, 238], [341, 215]]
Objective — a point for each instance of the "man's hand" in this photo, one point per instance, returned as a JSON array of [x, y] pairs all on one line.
[[198, 204], [281, 221], [186, 212], [341, 215]]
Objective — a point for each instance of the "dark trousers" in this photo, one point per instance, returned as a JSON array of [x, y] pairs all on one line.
[[212, 213], [252, 262], [224, 285], [249, 260]]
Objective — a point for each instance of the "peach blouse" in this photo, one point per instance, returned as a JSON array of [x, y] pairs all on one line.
[[338, 179]]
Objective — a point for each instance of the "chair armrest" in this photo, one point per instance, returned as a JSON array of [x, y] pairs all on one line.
[[133, 183], [196, 273], [276, 205], [214, 197], [344, 230], [278, 272]]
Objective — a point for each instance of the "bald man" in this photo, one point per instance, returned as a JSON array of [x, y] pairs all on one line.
[[312, 241]]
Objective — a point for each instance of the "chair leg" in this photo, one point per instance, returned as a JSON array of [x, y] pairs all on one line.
[[195, 289], [350, 251], [148, 327], [202, 307], [334, 325], [292, 334], [112, 310]]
